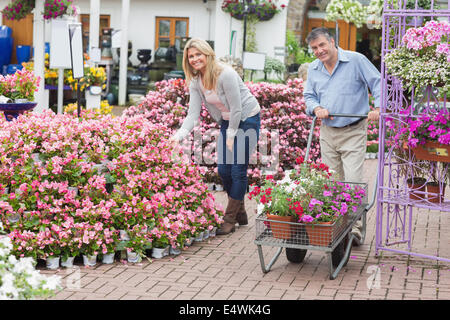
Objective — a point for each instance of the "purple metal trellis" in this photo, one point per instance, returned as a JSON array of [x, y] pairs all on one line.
[[395, 206]]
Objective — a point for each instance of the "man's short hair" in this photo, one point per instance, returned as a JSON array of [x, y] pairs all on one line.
[[317, 32]]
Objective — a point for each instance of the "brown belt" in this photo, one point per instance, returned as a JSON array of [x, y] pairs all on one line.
[[351, 124]]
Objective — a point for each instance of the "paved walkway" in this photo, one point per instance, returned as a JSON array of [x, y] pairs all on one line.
[[228, 268]]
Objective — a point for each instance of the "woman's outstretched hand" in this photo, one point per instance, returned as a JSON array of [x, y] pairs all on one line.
[[173, 143], [230, 143]]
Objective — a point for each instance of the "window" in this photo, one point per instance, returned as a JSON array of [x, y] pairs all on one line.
[[85, 22], [171, 31]]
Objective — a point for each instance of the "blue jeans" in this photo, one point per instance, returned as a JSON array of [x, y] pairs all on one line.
[[232, 166]]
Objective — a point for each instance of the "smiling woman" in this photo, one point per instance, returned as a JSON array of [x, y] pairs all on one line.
[[231, 104], [197, 60]]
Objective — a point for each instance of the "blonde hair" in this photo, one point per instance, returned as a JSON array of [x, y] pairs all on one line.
[[213, 67]]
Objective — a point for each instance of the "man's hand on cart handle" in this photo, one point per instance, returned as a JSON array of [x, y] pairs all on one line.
[[321, 113], [374, 115]]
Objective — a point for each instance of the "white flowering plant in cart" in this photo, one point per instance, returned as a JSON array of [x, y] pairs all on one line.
[[18, 278]]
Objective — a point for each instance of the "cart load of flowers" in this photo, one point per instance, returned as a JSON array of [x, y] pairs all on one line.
[[308, 194], [67, 187], [284, 125]]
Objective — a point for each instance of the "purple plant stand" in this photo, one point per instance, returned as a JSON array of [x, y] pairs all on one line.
[[395, 206], [13, 110]]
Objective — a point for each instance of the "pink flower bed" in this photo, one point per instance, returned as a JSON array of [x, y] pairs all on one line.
[[284, 124], [126, 180]]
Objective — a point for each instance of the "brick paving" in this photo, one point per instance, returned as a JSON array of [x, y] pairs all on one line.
[[228, 268]]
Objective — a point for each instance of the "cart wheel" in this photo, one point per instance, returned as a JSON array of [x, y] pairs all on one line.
[[338, 253], [295, 255]]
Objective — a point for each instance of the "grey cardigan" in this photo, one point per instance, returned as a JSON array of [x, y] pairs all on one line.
[[232, 92]]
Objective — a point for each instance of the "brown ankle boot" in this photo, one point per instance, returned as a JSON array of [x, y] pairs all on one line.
[[230, 217], [241, 217]]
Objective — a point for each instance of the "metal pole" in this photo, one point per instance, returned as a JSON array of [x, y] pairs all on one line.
[[39, 55], [123, 67], [78, 98], [337, 34], [60, 90], [245, 25]]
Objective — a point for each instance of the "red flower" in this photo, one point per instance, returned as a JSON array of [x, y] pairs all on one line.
[[299, 160]]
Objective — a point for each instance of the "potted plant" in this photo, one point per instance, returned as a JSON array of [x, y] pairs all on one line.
[[423, 59], [90, 241], [160, 247], [94, 82], [137, 244], [436, 187], [70, 244], [428, 134], [110, 239], [58, 8], [19, 86]]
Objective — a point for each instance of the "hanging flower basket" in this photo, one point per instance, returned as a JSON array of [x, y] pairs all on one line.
[[261, 10]]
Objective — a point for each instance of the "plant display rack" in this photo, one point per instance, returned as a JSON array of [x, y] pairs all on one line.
[[395, 202]]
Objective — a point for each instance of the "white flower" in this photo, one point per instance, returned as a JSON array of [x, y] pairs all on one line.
[[24, 265], [35, 279], [260, 208], [8, 287], [52, 283], [12, 260]]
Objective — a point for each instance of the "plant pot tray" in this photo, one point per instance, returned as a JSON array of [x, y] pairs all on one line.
[[301, 235], [432, 151]]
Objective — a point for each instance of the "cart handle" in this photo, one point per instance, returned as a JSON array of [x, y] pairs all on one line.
[[311, 132], [313, 125]]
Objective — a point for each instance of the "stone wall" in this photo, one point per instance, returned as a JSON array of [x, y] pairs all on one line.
[[296, 15]]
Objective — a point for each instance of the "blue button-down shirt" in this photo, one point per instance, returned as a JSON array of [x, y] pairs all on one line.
[[345, 89]]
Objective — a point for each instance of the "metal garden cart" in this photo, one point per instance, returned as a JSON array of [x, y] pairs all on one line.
[[297, 238]]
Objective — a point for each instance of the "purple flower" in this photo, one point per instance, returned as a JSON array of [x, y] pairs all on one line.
[[327, 193], [444, 139], [344, 208]]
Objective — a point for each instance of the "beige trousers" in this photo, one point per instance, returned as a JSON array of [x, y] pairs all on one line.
[[344, 150]]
